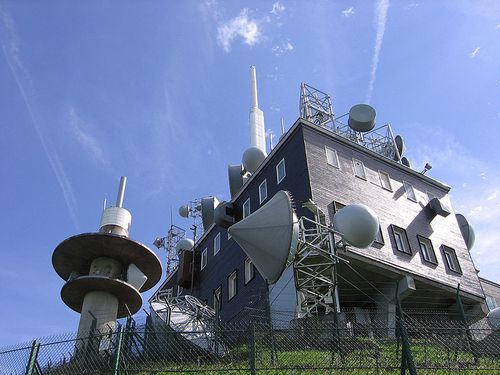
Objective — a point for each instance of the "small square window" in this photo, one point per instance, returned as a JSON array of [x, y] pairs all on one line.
[[401, 240], [385, 180], [426, 250], [410, 193], [217, 299], [249, 271], [217, 243], [359, 169], [490, 302], [232, 285], [204, 257], [262, 191], [451, 259], [332, 157], [280, 171], [246, 208]]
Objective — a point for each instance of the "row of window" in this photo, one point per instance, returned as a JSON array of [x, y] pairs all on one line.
[[232, 284], [359, 171]]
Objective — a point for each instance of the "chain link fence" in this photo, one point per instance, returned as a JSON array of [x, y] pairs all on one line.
[[357, 341]]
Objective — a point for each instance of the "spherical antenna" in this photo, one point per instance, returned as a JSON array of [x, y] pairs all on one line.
[[184, 244], [253, 158], [358, 223], [184, 210], [493, 318], [362, 117]]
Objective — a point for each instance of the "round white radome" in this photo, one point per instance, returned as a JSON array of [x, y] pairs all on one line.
[[184, 244], [184, 211], [358, 223], [252, 159], [493, 318]]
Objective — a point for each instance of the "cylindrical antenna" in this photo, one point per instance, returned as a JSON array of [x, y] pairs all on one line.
[[121, 191], [282, 126], [253, 83], [271, 146], [104, 204]]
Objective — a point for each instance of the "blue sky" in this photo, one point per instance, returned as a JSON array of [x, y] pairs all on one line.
[[159, 92]]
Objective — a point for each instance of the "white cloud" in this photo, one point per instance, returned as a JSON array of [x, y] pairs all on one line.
[[280, 49], [81, 131], [380, 22], [498, 26], [475, 52], [348, 12], [239, 26], [278, 8], [493, 195], [10, 42]]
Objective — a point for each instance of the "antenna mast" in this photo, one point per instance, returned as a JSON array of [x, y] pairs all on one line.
[[257, 129]]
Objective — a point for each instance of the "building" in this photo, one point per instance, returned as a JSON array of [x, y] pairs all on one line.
[[420, 251]]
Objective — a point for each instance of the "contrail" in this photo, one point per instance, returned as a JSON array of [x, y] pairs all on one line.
[[10, 49], [380, 21]]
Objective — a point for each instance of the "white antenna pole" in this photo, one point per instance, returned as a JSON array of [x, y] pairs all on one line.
[[271, 146], [257, 129], [121, 191], [104, 202], [282, 126]]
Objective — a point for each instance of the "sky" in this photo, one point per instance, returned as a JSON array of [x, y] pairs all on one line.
[[159, 91]]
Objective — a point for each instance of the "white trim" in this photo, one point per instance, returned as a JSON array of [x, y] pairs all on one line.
[[409, 187], [204, 259], [261, 198], [332, 152], [354, 161], [217, 243], [232, 285], [249, 270], [382, 173], [247, 202], [278, 179]]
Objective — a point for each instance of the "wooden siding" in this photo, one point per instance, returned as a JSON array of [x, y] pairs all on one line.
[[330, 184]]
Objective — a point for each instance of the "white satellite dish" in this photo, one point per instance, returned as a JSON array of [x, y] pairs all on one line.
[[358, 224], [362, 117], [405, 162], [493, 318], [467, 231], [184, 244], [208, 205], [235, 176], [253, 158], [400, 145], [257, 235]]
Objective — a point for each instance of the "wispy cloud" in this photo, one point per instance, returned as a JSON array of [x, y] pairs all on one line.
[[240, 26], [278, 8], [10, 41], [280, 49], [348, 12], [475, 52], [82, 133], [380, 22]]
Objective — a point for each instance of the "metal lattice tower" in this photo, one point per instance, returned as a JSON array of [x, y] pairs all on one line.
[[316, 106]]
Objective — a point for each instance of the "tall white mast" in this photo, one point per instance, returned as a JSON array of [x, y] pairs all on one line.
[[257, 129]]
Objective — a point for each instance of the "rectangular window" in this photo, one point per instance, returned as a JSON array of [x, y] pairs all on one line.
[[401, 239], [217, 243], [451, 259], [338, 206], [359, 169], [332, 157], [426, 249], [217, 299], [490, 302], [385, 180], [410, 193], [249, 271], [262, 191], [379, 238], [246, 208], [204, 257], [280, 171], [232, 285]]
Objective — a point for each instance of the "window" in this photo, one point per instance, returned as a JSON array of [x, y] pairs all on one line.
[[451, 259], [385, 180], [401, 239], [204, 258], [338, 206], [410, 193], [217, 243], [249, 271], [246, 208], [490, 302], [430, 196], [280, 171], [217, 300], [359, 169], [232, 287], [426, 249], [332, 157], [262, 191], [379, 238]]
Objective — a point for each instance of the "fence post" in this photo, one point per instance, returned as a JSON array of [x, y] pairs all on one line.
[[118, 352], [407, 357], [251, 349], [32, 366], [461, 312]]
